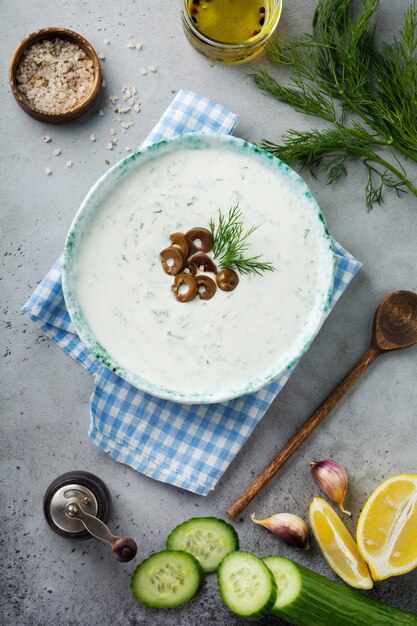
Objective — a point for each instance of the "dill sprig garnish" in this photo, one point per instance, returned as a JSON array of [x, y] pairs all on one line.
[[339, 73], [230, 242]]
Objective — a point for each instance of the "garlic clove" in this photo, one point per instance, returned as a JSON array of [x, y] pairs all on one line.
[[288, 527], [332, 479]]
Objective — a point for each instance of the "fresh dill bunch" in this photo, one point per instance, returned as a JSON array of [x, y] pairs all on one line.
[[338, 70], [230, 242]]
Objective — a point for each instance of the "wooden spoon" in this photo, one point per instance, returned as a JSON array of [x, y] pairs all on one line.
[[394, 328]]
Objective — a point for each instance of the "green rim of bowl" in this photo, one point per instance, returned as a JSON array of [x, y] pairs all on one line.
[[91, 205]]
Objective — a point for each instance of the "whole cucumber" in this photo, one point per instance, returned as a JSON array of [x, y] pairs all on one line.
[[306, 598]]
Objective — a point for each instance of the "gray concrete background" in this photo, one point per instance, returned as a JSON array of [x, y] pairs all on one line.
[[48, 580]]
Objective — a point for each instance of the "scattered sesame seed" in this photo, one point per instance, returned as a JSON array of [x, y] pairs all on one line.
[[46, 138], [131, 44], [143, 71], [101, 113], [48, 171], [70, 163], [152, 68], [107, 162], [93, 137], [56, 152]]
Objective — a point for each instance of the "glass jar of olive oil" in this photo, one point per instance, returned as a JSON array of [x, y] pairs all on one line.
[[230, 31]]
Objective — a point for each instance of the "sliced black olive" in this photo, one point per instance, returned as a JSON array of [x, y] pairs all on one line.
[[184, 287], [203, 263], [179, 239], [206, 287], [173, 260], [227, 280], [190, 268], [203, 238]]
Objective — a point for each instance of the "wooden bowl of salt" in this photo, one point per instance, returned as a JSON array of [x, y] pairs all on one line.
[[55, 75]]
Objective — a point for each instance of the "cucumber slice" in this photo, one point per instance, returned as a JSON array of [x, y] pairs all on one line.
[[167, 579], [306, 598], [288, 581], [246, 585], [209, 539]]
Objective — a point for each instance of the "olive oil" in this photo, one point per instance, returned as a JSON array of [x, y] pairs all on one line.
[[229, 21]]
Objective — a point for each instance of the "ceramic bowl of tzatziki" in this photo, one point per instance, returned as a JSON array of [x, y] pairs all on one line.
[[120, 299]]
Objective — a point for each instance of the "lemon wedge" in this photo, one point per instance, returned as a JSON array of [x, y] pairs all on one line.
[[387, 528], [338, 546]]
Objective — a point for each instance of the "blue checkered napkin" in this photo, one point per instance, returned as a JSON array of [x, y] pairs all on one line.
[[189, 446]]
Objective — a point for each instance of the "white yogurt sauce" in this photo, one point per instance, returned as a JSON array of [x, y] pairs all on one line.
[[199, 346]]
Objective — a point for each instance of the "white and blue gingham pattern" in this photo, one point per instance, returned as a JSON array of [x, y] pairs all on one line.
[[189, 446]]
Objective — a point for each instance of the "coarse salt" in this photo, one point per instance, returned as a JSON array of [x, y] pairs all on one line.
[[48, 171], [93, 137], [103, 83], [101, 56], [139, 46], [143, 71], [55, 75], [56, 152], [46, 139], [152, 68], [131, 44], [70, 163], [101, 113], [120, 109]]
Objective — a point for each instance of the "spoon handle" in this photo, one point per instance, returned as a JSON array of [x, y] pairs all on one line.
[[301, 435]]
